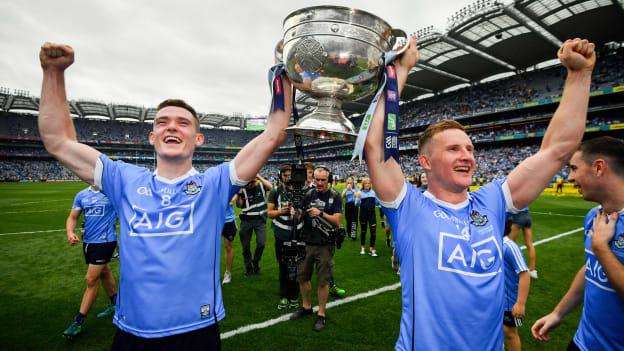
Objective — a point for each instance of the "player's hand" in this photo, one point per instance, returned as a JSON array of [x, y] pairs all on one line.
[[577, 55], [518, 310], [409, 58], [542, 327], [72, 239], [56, 56], [604, 229]]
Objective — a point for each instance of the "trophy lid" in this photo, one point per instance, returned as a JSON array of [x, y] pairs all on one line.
[[381, 26]]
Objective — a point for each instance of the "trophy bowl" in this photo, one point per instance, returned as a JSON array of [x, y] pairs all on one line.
[[334, 54]]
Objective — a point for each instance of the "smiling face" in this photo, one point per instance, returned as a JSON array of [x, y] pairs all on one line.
[[175, 135], [581, 176], [449, 160]]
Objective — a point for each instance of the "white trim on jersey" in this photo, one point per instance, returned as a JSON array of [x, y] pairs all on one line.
[[191, 172], [234, 176], [396, 202], [508, 199], [517, 254], [447, 204], [97, 173]]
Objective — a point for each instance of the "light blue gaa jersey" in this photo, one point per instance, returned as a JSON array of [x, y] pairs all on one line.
[[514, 265], [602, 322], [349, 196], [99, 216], [169, 246], [451, 260], [230, 214]]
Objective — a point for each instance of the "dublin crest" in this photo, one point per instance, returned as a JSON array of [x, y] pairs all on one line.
[[478, 219], [191, 188]]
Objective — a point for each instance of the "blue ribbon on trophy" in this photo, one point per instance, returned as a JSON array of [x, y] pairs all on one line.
[[391, 120], [275, 84], [277, 92]]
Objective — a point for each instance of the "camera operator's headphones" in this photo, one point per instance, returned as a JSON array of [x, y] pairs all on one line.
[[329, 173]]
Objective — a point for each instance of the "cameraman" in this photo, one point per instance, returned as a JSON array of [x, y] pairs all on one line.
[[279, 207], [326, 204]]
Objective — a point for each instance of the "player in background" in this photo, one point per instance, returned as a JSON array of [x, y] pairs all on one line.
[[597, 171], [517, 283], [98, 244]]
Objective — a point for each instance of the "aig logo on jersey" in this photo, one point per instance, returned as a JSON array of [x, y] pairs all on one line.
[[458, 255], [173, 220], [94, 211], [594, 272]]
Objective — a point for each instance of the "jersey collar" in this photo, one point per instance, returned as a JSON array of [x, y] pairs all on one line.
[[447, 204], [191, 172]]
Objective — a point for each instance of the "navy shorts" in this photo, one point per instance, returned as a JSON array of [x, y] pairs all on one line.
[[229, 230], [521, 219], [207, 338], [511, 321], [98, 253]]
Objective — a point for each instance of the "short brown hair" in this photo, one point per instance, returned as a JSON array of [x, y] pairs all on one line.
[[179, 103], [434, 129], [309, 165], [609, 148]]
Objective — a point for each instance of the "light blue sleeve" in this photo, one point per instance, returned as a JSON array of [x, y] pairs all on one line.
[[78, 201], [514, 257]]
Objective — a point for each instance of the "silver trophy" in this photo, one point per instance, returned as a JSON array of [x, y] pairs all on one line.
[[334, 54]]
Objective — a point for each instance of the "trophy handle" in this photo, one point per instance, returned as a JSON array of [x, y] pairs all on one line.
[[398, 40], [279, 52]]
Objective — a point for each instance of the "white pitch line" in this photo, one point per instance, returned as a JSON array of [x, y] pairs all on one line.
[[35, 232], [554, 237], [557, 214], [60, 209], [38, 202], [286, 317]]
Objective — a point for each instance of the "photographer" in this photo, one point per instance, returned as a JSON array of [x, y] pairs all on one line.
[[321, 220], [279, 210], [252, 202]]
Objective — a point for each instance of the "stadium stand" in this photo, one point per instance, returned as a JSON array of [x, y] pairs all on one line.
[[455, 79]]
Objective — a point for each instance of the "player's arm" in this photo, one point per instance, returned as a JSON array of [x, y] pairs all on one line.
[[255, 154], [601, 237], [70, 226], [233, 201], [55, 125], [565, 131], [524, 281], [542, 327], [387, 175]]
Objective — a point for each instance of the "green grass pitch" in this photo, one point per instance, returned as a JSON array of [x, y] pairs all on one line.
[[42, 283]]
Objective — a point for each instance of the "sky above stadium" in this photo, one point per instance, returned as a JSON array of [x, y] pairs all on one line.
[[213, 54]]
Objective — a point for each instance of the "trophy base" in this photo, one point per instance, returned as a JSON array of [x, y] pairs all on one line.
[[326, 122]]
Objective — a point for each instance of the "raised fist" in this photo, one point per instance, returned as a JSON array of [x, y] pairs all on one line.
[[56, 56], [577, 55]]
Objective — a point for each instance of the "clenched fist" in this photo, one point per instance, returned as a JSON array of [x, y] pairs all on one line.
[[56, 56], [577, 55]]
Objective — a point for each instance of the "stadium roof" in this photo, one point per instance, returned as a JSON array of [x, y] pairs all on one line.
[[22, 101], [481, 40], [489, 38]]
